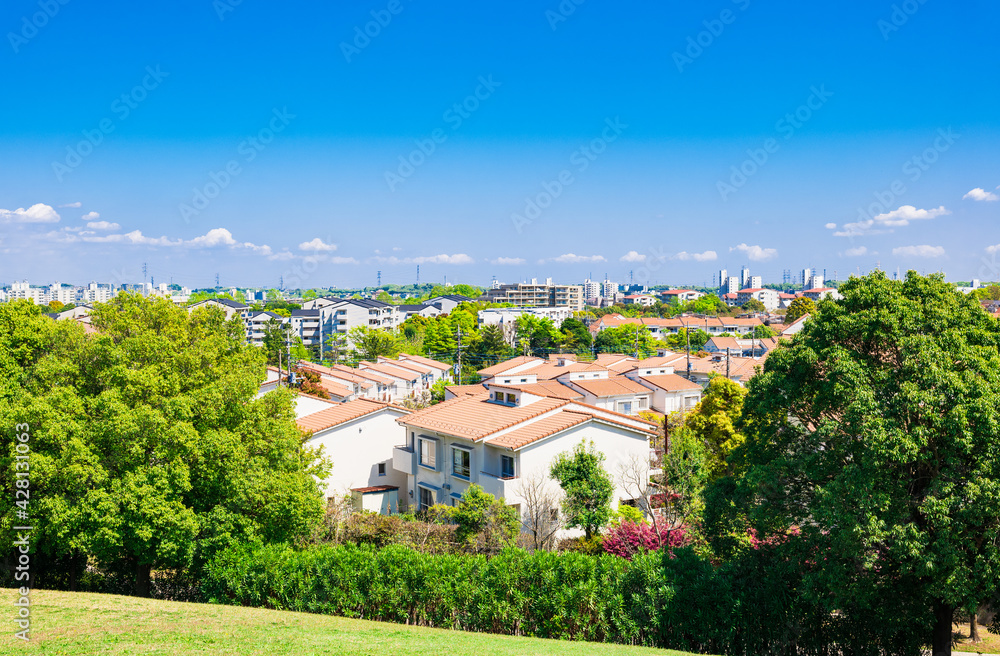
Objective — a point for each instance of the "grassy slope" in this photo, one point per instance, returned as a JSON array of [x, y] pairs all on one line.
[[81, 623]]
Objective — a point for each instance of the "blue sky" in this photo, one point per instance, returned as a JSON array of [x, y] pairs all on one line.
[[516, 140]]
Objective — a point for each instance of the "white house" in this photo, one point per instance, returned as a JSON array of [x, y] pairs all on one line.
[[359, 436], [680, 295], [508, 439], [769, 297], [819, 293], [617, 393], [644, 300]]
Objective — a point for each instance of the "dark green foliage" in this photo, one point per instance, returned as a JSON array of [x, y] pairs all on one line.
[[749, 606]]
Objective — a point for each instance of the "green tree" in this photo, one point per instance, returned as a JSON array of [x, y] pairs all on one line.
[[626, 338], [714, 423], [539, 332], [491, 346], [763, 332], [581, 338], [876, 433], [990, 293], [753, 305], [274, 341], [149, 450], [481, 516], [587, 486], [370, 343], [800, 307]]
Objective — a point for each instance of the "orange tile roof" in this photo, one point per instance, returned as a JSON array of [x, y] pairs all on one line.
[[395, 372], [476, 417], [467, 390], [537, 430], [363, 376], [551, 370], [617, 386], [343, 413], [506, 365], [671, 382], [550, 388], [434, 364], [335, 389], [407, 366], [335, 372]]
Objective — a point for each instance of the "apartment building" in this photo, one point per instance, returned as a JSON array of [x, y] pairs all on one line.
[[680, 295], [504, 316], [535, 294], [769, 297]]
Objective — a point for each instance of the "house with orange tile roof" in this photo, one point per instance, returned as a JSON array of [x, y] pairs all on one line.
[[618, 393], [504, 440], [359, 436], [670, 392]]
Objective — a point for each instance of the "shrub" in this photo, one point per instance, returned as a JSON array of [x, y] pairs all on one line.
[[629, 538]]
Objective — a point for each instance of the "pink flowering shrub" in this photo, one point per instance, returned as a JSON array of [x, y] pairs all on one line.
[[772, 540], [628, 538]]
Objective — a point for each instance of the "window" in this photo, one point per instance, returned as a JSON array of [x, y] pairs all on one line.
[[511, 398], [553, 514], [524, 380], [427, 453], [461, 462], [499, 396], [426, 499], [625, 407], [643, 403], [381, 469], [506, 466]]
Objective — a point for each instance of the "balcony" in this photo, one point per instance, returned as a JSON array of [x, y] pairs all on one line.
[[498, 486], [404, 459]]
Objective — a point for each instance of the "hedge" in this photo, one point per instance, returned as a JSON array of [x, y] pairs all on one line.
[[752, 606]]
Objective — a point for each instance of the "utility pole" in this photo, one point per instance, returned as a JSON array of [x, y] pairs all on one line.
[[288, 345], [459, 355], [687, 334]]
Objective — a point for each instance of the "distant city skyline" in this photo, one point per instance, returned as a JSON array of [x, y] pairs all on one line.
[[325, 143]]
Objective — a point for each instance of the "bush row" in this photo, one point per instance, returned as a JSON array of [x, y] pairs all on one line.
[[754, 605]]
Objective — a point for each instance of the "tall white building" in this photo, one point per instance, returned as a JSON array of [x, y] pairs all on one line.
[[745, 277], [815, 281], [608, 288], [755, 282], [591, 289]]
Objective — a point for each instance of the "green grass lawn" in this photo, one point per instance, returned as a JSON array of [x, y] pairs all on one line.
[[83, 623]]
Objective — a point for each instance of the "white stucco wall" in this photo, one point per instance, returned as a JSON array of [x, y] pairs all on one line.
[[357, 448]]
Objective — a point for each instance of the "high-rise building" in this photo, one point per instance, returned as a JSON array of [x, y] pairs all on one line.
[[534, 294], [755, 282], [591, 289], [806, 275], [745, 277]]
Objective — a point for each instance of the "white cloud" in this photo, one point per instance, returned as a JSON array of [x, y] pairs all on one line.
[[76, 204], [919, 251], [993, 249], [214, 238], [756, 253], [508, 261], [571, 258], [283, 256], [317, 245], [396, 249], [632, 256], [856, 252], [897, 218], [37, 213], [135, 237], [343, 260], [103, 225], [707, 256], [457, 258], [830, 226], [91, 216], [981, 194]]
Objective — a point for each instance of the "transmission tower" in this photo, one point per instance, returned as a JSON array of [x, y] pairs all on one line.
[[380, 279]]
